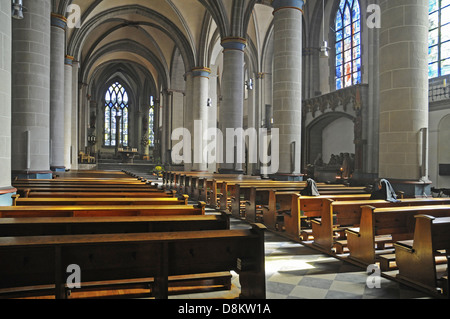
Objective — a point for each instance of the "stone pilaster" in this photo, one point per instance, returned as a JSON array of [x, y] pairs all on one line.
[[403, 90], [200, 78], [31, 91], [57, 101], [74, 115], [231, 112], [166, 97], [188, 123], [287, 85], [68, 62], [5, 104]]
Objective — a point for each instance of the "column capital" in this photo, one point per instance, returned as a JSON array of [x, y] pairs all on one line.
[[201, 72], [68, 60], [234, 43], [59, 21], [288, 4]]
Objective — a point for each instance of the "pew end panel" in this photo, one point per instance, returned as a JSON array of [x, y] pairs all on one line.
[[417, 259], [361, 241], [322, 227]]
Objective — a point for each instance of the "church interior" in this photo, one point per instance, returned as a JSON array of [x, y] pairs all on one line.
[[224, 149]]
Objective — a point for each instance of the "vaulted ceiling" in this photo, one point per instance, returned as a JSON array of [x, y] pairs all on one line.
[[144, 38]]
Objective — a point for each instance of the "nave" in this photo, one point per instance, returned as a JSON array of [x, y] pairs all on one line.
[[293, 270]]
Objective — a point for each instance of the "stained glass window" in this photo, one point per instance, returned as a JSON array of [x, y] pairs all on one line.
[[116, 107], [348, 44], [439, 38], [151, 123]]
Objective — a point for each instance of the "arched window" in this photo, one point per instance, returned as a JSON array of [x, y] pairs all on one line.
[[439, 38], [151, 123], [348, 44], [116, 109]]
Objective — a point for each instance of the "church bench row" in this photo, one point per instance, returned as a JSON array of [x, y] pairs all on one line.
[[244, 195], [66, 201], [100, 211], [52, 226], [287, 212], [336, 216], [394, 223], [98, 194], [81, 187], [26, 191], [43, 260], [223, 190], [84, 181], [416, 259]]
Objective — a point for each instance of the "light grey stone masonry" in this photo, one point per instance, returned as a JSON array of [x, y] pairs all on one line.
[[232, 105], [5, 97], [68, 111], [403, 58], [287, 85], [31, 88], [57, 102]]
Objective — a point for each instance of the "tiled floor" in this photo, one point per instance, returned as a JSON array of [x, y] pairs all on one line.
[[295, 271]]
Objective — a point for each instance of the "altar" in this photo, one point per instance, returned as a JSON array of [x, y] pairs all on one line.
[[127, 154]]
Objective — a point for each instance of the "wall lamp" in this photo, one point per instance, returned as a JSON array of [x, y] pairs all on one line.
[[17, 9]]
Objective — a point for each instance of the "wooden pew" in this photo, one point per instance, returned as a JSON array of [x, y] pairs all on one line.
[[290, 213], [265, 198], [108, 257], [46, 226], [232, 191], [100, 211], [241, 193], [416, 259], [337, 216], [97, 194], [82, 183], [66, 201], [26, 192], [394, 223]]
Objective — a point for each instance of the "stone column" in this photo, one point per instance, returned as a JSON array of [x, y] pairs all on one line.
[[287, 86], [31, 91], [57, 122], [188, 123], [5, 104], [232, 105], [166, 97], [403, 92], [68, 61], [200, 79], [74, 115]]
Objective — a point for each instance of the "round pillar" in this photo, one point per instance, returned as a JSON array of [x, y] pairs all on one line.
[[5, 105], [31, 91], [57, 101], [200, 82], [231, 112], [403, 89], [287, 85], [68, 62]]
